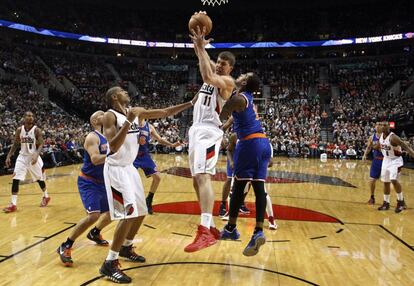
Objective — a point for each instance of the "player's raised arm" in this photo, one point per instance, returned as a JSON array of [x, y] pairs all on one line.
[[143, 113], [396, 141], [16, 143], [224, 82], [236, 103]]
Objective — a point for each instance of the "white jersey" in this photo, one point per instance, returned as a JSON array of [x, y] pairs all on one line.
[[208, 106], [27, 141], [128, 151], [390, 152]]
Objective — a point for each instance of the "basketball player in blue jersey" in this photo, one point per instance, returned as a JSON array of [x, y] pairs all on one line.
[[251, 159], [91, 188], [377, 158], [125, 193], [144, 160]]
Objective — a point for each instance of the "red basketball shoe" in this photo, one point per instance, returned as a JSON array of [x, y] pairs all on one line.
[[45, 201], [203, 239], [10, 208], [215, 232]]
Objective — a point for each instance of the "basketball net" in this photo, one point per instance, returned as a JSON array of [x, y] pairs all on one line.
[[214, 2]]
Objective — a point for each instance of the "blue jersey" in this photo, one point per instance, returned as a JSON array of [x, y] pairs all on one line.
[[245, 122], [377, 154], [144, 138], [89, 169]]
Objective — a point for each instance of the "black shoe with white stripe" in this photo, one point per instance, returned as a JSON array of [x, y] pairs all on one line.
[[129, 253], [111, 270]]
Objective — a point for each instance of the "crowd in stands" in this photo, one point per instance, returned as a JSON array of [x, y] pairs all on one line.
[[63, 134], [292, 117]]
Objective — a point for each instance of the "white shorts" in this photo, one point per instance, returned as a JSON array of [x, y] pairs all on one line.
[[126, 198], [204, 148], [390, 170], [24, 165]]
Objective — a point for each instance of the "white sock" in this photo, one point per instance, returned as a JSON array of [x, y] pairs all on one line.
[[128, 242], [269, 208], [387, 198], [206, 219], [112, 255], [400, 196], [45, 194], [14, 199]]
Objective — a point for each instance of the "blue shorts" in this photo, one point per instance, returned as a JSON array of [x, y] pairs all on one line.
[[251, 159], [375, 171], [146, 163], [93, 195], [229, 170]]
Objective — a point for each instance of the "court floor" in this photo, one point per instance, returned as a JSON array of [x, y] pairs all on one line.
[[327, 233]]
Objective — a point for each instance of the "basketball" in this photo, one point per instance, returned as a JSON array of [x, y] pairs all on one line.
[[200, 19]]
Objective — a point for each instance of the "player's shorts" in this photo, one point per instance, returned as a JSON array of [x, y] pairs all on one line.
[[375, 171], [126, 198], [204, 148], [391, 169], [146, 163], [93, 195], [24, 165], [229, 170], [251, 159]]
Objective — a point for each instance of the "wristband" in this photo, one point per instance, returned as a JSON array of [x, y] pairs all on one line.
[[192, 104]]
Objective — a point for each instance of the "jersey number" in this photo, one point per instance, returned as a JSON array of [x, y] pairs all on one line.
[[207, 101]]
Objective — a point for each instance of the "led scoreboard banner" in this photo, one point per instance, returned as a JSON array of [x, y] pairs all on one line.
[[242, 45]]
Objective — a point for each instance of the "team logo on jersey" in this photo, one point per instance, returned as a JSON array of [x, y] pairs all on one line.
[[142, 140], [103, 147], [207, 89], [134, 128], [28, 140]]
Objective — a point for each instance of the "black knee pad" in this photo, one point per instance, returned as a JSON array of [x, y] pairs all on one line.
[[42, 184], [15, 186]]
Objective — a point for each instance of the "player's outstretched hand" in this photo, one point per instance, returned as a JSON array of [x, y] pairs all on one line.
[[176, 144], [198, 37]]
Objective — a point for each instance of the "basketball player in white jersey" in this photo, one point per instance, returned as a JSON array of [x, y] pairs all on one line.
[[126, 198], [391, 146], [205, 135], [30, 138]]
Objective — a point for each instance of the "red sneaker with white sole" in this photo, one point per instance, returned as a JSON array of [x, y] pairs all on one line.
[[45, 201], [10, 208], [203, 239]]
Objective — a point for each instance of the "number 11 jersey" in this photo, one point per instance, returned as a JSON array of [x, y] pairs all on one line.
[[208, 106]]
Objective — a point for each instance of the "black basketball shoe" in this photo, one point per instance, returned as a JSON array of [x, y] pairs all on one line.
[[129, 253], [222, 211], [110, 269], [400, 206], [97, 238], [65, 255], [385, 206]]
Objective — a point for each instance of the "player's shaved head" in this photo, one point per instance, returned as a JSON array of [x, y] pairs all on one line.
[[96, 118]]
